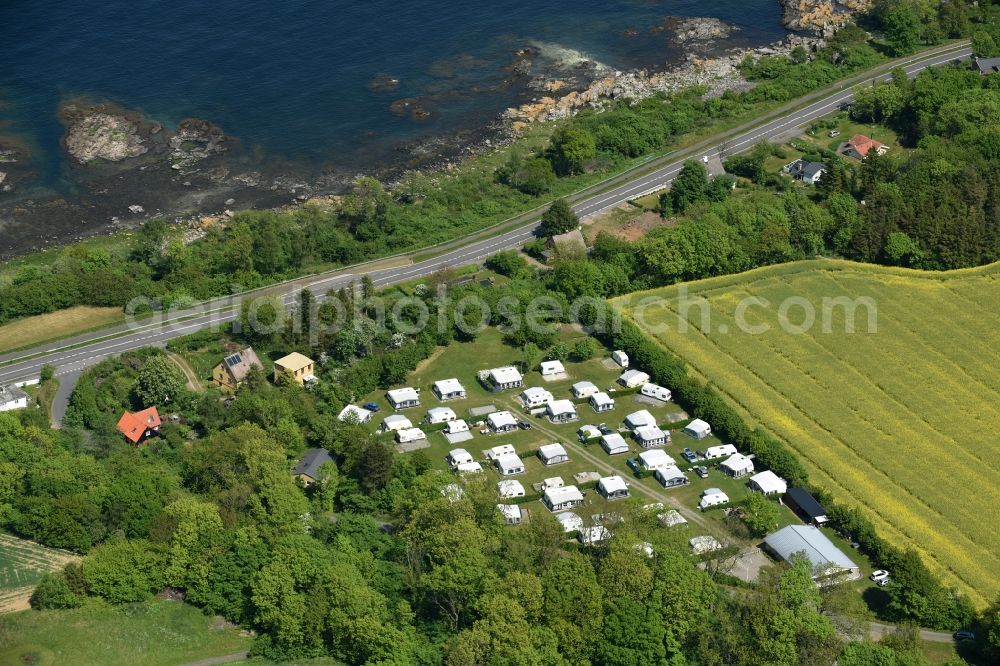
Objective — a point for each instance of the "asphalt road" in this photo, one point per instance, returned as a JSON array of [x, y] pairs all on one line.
[[72, 355]]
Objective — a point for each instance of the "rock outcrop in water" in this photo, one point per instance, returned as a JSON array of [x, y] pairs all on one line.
[[687, 29], [101, 133], [820, 15]]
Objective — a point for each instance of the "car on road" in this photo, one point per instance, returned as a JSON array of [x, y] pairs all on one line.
[[371, 406], [880, 577], [964, 635], [701, 471], [689, 455], [524, 425]]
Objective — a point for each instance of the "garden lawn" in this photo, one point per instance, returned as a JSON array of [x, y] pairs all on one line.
[[901, 420]]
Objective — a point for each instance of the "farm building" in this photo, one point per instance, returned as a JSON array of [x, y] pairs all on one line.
[[139, 426], [768, 483], [561, 498], [639, 419], [614, 444], [448, 389], [670, 477], [587, 433], [720, 451], [550, 368], [509, 488], [602, 402], [11, 398], [671, 518], [570, 521], [633, 378], [308, 468], [656, 391], [403, 398], [704, 544], [501, 422], [229, 374], [511, 513], [441, 415], [458, 457], [588, 536], [561, 411], [503, 379], [395, 422], [620, 357], [535, 397], [805, 506], [410, 435], [295, 366], [582, 390], [353, 412], [552, 454], [650, 436], [698, 429], [468, 468], [612, 487], [509, 464], [650, 460], [736, 466], [829, 563], [712, 497], [501, 450], [455, 427]]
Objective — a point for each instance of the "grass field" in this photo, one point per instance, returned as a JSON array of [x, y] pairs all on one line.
[[155, 633], [902, 420], [22, 563], [56, 326]]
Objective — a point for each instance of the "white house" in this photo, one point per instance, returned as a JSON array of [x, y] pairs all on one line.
[[570, 521], [395, 422], [448, 389], [736, 466], [656, 391], [511, 513], [403, 398], [440, 415], [655, 458], [768, 483], [502, 379], [698, 429], [582, 390], [612, 487], [620, 357], [561, 411], [602, 402], [560, 499], [455, 427], [650, 436], [535, 397], [587, 433], [501, 422], [712, 497], [552, 454], [614, 444], [670, 476], [720, 451], [633, 378], [11, 398], [458, 457], [509, 464], [588, 536], [501, 450], [550, 368], [354, 412], [639, 419], [469, 468], [510, 488], [410, 435]]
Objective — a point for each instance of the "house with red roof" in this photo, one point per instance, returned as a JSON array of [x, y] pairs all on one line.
[[860, 145], [139, 425]]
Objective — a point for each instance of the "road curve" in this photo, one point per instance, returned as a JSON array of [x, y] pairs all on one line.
[[72, 355]]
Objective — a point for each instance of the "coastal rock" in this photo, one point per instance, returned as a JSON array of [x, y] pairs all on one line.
[[411, 106], [136, 209], [383, 83], [820, 15], [695, 28], [104, 135], [194, 140]]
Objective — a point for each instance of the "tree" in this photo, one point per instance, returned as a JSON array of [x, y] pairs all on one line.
[[533, 177], [990, 622], [583, 349], [983, 45], [197, 526], [262, 320], [633, 635], [123, 571], [761, 514], [571, 148], [559, 218], [509, 263], [53, 591], [160, 381], [901, 22], [689, 186], [46, 373], [901, 250], [147, 248]]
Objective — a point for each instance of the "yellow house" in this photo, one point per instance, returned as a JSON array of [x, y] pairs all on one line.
[[234, 369], [295, 365]]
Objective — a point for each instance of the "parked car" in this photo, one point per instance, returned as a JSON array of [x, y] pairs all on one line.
[[964, 635], [371, 406], [701, 471], [605, 430], [881, 577], [834, 133], [689, 455], [524, 425]]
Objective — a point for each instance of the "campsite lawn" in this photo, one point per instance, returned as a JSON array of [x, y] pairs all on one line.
[[900, 418]]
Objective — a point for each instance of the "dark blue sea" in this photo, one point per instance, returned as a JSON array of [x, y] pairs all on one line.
[[292, 78]]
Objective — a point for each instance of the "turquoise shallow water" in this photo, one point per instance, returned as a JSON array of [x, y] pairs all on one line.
[[290, 78]]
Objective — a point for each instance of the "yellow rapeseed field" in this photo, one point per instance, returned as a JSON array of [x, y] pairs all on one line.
[[903, 419]]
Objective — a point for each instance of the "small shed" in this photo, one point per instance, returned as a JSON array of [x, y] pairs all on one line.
[[614, 444], [612, 487], [550, 368], [395, 422], [698, 429], [509, 464], [655, 458], [449, 389], [510, 488], [671, 476], [559, 499], [561, 411], [639, 419], [620, 357], [633, 378], [805, 506], [552, 454], [535, 397], [768, 482], [650, 436], [583, 390], [736, 466], [501, 422], [441, 415], [602, 402]]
